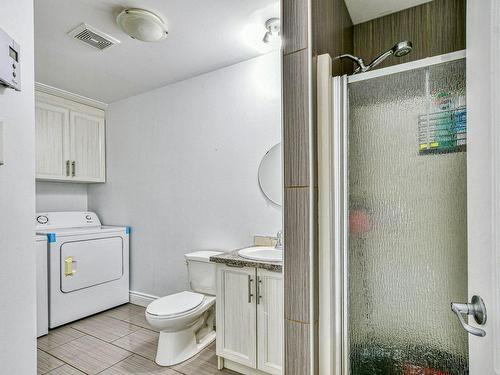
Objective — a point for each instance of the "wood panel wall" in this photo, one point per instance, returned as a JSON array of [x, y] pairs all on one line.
[[330, 31], [434, 28]]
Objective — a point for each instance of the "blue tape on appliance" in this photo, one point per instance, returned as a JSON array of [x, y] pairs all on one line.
[[51, 237], [128, 230]]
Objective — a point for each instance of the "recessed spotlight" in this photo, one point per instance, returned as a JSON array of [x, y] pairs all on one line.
[[142, 24]]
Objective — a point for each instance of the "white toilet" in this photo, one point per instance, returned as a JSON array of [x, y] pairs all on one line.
[[186, 319]]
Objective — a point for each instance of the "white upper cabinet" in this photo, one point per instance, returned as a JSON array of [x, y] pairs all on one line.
[[52, 141], [70, 140], [87, 147]]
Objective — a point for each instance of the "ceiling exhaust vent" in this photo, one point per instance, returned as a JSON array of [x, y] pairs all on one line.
[[93, 37]]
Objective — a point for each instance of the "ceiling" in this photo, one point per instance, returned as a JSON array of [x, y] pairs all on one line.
[[204, 35], [365, 10]]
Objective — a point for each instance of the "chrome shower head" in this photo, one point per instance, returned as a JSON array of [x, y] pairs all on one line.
[[401, 49]]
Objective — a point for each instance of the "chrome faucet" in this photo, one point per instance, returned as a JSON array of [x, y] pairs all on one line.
[[279, 240]]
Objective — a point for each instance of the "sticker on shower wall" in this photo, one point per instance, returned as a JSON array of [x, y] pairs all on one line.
[[443, 128]]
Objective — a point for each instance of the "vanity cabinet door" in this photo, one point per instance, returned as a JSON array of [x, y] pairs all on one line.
[[52, 142], [236, 314], [269, 321]]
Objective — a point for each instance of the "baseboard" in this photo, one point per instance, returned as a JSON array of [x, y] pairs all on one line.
[[241, 369], [141, 299]]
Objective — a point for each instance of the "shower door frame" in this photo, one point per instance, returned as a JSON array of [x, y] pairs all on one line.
[[333, 116]]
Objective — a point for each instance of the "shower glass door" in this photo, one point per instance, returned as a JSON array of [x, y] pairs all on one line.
[[407, 252]]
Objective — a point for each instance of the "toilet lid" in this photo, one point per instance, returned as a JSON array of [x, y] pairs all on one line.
[[175, 304]]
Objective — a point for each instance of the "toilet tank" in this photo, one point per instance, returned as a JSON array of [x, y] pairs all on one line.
[[201, 272]]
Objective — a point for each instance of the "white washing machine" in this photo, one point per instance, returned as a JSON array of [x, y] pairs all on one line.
[[88, 264]]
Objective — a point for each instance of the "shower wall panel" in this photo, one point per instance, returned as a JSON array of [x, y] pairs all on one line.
[[435, 28]]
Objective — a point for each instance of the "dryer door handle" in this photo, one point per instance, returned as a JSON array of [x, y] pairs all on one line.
[[68, 266]]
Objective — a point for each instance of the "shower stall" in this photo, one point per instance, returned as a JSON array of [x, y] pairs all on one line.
[[393, 218]]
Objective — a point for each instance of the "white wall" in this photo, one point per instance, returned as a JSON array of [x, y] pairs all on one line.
[[60, 196], [182, 167], [17, 202]]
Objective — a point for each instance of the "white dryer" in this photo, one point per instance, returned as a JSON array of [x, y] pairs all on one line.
[[88, 264]]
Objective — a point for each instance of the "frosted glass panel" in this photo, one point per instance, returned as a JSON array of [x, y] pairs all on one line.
[[407, 223]]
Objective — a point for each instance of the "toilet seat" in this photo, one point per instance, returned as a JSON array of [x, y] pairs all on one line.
[[174, 305]]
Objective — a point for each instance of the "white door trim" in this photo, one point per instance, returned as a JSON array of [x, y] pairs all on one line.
[[483, 177], [495, 123]]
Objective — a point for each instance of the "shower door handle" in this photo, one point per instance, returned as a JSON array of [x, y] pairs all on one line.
[[477, 309]]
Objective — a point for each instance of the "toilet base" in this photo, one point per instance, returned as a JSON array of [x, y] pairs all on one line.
[[176, 347]]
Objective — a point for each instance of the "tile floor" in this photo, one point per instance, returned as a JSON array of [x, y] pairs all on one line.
[[115, 342]]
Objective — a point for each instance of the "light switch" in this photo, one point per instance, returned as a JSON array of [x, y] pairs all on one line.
[[1, 143]]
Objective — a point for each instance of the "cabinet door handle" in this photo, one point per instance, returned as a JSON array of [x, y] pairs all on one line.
[[259, 286], [250, 294], [67, 168], [73, 168]]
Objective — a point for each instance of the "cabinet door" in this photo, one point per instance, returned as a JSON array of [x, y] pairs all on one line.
[[236, 315], [87, 147], [52, 142], [269, 321]]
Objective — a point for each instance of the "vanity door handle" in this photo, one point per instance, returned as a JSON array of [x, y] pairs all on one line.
[[259, 286], [67, 168], [250, 294], [73, 168]]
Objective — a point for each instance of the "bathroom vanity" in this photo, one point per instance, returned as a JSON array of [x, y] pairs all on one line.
[[249, 314]]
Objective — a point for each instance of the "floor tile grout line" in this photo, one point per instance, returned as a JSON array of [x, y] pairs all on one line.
[[114, 364], [129, 322], [98, 338], [149, 359], [67, 342], [140, 355], [82, 370], [107, 342], [55, 368], [86, 334], [66, 363], [74, 368], [131, 354]]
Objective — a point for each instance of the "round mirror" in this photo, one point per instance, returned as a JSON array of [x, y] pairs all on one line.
[[270, 175]]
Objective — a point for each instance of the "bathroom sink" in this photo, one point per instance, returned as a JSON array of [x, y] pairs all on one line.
[[262, 253]]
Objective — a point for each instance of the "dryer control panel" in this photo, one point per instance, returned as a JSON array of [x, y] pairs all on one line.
[[71, 219]]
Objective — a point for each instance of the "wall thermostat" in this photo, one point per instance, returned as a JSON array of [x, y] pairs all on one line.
[[10, 62]]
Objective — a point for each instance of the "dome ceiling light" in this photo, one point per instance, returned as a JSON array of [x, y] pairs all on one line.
[[142, 24]]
